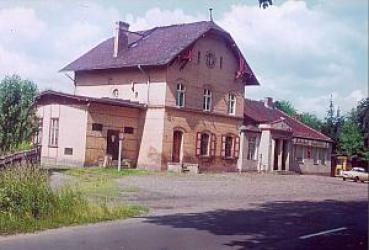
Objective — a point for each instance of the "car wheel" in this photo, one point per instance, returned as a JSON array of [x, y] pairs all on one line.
[[356, 179]]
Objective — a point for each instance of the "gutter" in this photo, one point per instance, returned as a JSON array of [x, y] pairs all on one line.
[[148, 83]]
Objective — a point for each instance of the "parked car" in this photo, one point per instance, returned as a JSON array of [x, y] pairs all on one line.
[[356, 174]]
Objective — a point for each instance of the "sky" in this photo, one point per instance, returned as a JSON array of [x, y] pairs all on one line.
[[300, 51]]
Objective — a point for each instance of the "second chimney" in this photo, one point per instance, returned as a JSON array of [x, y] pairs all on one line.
[[268, 102], [120, 37]]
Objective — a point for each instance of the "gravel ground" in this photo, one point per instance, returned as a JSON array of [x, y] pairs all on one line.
[[168, 193]]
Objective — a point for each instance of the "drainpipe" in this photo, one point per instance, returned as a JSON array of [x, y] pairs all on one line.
[[148, 83]]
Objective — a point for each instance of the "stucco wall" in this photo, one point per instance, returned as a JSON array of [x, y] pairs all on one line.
[[196, 76], [151, 146], [72, 134], [307, 166], [132, 84], [251, 165]]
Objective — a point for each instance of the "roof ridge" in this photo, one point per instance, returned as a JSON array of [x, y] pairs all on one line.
[[174, 25], [303, 124]]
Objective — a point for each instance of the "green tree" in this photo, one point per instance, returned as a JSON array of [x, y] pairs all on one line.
[[286, 107], [311, 120], [350, 139], [17, 113], [363, 114]]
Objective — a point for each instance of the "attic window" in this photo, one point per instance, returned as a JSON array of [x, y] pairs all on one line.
[[221, 62], [198, 57]]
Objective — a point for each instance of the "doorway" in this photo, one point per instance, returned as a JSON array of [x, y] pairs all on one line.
[[276, 154], [177, 146], [112, 144]]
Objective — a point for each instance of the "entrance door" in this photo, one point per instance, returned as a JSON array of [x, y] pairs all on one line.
[[276, 153], [112, 143], [284, 154], [177, 144]]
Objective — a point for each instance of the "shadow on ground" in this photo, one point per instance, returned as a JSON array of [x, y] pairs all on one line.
[[278, 225]]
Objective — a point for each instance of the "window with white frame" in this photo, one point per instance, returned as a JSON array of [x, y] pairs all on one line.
[[315, 155], [231, 104], [251, 150], [180, 95], [207, 100], [322, 156], [54, 132]]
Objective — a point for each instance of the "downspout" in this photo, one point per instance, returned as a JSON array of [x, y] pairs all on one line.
[[148, 83]]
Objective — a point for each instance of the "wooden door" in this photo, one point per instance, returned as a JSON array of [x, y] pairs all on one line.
[[177, 144], [112, 143]]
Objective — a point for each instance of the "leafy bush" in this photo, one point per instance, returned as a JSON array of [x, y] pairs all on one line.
[[28, 203]]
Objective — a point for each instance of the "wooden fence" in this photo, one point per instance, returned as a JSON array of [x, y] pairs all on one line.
[[28, 157]]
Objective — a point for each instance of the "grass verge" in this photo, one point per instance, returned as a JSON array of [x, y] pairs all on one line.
[[28, 203]]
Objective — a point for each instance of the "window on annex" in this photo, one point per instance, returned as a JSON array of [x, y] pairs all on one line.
[[251, 149], [322, 155], [315, 156], [299, 153], [97, 127], [207, 100], [231, 104], [54, 132], [180, 95], [221, 62]]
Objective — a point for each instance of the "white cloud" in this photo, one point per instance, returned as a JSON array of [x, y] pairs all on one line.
[[19, 24], [157, 17], [299, 53]]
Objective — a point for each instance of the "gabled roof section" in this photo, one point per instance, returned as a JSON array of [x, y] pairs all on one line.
[[154, 47], [259, 113], [50, 95]]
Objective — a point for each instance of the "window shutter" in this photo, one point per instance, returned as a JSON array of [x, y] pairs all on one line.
[[198, 143], [222, 154], [236, 152], [212, 145]]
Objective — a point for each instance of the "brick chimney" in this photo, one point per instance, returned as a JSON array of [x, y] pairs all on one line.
[[268, 102], [120, 37]]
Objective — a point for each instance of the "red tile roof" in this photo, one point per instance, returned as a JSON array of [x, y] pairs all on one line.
[[154, 47], [66, 98], [257, 112]]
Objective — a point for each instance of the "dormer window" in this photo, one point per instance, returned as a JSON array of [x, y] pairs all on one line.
[[207, 100], [180, 95]]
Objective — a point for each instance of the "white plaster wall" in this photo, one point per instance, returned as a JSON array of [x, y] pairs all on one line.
[[133, 92], [150, 154], [251, 165], [265, 150], [72, 134]]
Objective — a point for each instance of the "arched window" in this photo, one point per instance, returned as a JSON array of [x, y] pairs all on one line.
[[207, 100], [231, 104], [180, 95]]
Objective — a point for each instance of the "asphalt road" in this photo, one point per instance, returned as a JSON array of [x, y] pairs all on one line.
[[321, 213]]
